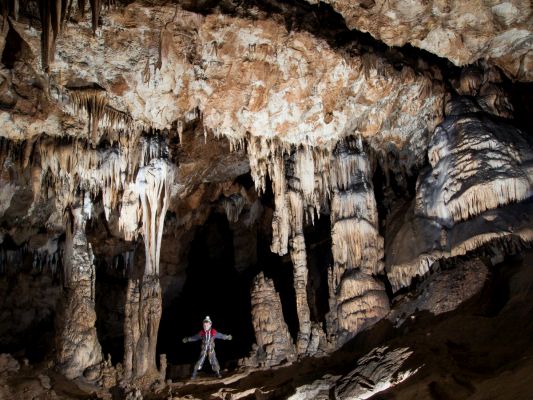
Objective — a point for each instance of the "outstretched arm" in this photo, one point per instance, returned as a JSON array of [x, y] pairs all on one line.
[[192, 338], [220, 335]]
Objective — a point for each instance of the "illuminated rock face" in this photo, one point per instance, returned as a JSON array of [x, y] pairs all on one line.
[[122, 114], [478, 164], [461, 31]]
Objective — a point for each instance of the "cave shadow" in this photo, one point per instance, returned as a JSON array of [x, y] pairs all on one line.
[[213, 287]]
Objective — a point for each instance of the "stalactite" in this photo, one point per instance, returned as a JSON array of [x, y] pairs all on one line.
[[96, 6], [233, 206], [93, 104], [46, 39], [153, 183]]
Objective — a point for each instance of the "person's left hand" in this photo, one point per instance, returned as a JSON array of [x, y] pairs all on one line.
[[229, 337]]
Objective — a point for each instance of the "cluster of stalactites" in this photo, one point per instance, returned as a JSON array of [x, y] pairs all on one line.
[[53, 15], [301, 180], [92, 105], [68, 167]]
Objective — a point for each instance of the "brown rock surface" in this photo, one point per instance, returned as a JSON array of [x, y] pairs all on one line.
[[461, 31]]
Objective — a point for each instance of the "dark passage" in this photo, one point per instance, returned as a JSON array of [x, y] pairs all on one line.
[[213, 287]]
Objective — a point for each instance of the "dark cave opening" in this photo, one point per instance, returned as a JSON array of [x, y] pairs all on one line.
[[110, 299], [319, 259], [213, 287], [279, 269]]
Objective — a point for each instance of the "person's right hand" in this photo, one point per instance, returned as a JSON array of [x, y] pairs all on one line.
[[185, 340]]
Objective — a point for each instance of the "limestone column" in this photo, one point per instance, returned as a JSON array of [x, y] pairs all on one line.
[[357, 298], [300, 272], [143, 298], [77, 343]]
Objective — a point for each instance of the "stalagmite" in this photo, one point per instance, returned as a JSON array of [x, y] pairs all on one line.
[[356, 297], [77, 344], [143, 297], [142, 315], [271, 332]]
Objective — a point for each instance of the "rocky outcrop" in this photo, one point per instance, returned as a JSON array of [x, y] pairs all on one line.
[[380, 369], [376, 371], [442, 291], [463, 32]]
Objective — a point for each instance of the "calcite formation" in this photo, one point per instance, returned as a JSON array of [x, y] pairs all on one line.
[[356, 297], [77, 343], [478, 164], [108, 125], [273, 337]]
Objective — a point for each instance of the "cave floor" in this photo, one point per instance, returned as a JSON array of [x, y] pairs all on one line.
[[481, 350]]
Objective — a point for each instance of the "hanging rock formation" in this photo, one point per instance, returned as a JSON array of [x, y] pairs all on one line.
[[478, 165]]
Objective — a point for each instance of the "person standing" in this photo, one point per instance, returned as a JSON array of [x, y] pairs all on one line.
[[207, 335]]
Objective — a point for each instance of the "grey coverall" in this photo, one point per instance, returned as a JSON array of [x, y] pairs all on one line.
[[208, 349]]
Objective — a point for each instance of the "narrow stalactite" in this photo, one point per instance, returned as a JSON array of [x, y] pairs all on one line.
[[96, 6], [78, 347]]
